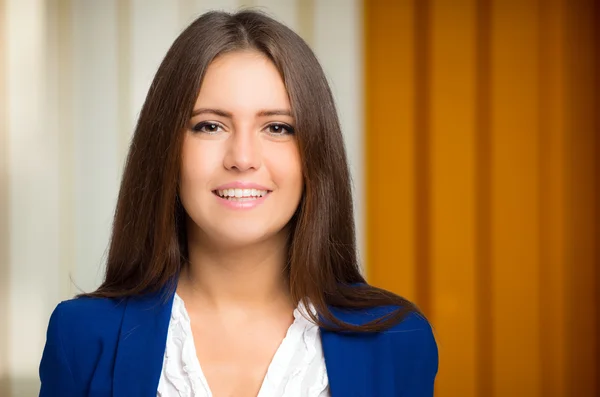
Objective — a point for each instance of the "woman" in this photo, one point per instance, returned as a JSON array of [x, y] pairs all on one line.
[[232, 268]]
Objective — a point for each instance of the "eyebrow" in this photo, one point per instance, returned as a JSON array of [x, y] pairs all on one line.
[[223, 113]]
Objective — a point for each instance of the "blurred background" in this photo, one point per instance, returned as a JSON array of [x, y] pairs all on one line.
[[473, 132]]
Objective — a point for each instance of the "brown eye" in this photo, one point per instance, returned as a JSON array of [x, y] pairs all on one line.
[[279, 129], [207, 127]]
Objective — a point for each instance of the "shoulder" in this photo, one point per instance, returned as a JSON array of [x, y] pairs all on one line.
[[402, 358], [412, 338], [413, 333], [89, 307], [79, 332], [94, 315], [85, 324], [415, 353]]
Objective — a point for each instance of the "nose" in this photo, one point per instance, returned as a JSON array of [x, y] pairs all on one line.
[[243, 151]]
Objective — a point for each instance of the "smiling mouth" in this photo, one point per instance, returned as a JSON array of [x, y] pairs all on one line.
[[241, 194]]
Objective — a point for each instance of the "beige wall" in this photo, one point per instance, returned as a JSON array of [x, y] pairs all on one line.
[[73, 76], [4, 282]]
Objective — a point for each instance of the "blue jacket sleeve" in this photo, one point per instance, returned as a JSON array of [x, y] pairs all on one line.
[[425, 366], [56, 375]]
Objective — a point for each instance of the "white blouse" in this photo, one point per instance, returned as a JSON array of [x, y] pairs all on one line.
[[296, 370]]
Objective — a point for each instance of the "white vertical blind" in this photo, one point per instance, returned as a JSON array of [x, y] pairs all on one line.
[[76, 74]]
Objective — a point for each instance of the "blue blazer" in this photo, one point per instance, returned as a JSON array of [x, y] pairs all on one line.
[[108, 347]]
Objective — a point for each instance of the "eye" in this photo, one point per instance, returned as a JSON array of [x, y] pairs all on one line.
[[279, 129], [207, 127]]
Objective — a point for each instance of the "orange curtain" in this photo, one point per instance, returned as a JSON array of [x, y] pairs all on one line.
[[483, 181]]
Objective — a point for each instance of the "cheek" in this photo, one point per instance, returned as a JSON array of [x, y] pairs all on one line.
[[286, 168], [198, 163]]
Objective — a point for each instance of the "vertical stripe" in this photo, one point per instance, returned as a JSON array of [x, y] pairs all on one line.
[[126, 124], [352, 105], [4, 206], [452, 199], [97, 137], [154, 25], [422, 48], [305, 10], [340, 54], [389, 142], [33, 188], [582, 200], [596, 82], [64, 93], [483, 240], [551, 205], [515, 198]]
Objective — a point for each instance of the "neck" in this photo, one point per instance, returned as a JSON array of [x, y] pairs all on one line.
[[251, 276]]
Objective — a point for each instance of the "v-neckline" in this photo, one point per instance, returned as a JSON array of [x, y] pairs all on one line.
[[279, 360]]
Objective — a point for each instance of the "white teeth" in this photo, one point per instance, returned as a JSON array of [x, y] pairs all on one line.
[[242, 194], [241, 198]]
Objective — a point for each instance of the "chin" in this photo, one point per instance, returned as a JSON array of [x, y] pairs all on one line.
[[244, 235]]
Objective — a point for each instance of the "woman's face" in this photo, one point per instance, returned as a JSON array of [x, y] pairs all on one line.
[[241, 176]]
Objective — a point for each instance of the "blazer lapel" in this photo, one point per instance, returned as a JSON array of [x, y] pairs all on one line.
[[141, 346]]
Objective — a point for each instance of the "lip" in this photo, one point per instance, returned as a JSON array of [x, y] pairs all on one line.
[[242, 205]]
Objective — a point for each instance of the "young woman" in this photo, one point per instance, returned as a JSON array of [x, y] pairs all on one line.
[[232, 268]]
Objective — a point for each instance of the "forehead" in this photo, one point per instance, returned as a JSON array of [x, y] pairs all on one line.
[[243, 80]]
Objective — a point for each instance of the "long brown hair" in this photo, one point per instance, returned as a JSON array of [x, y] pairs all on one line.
[[149, 244]]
